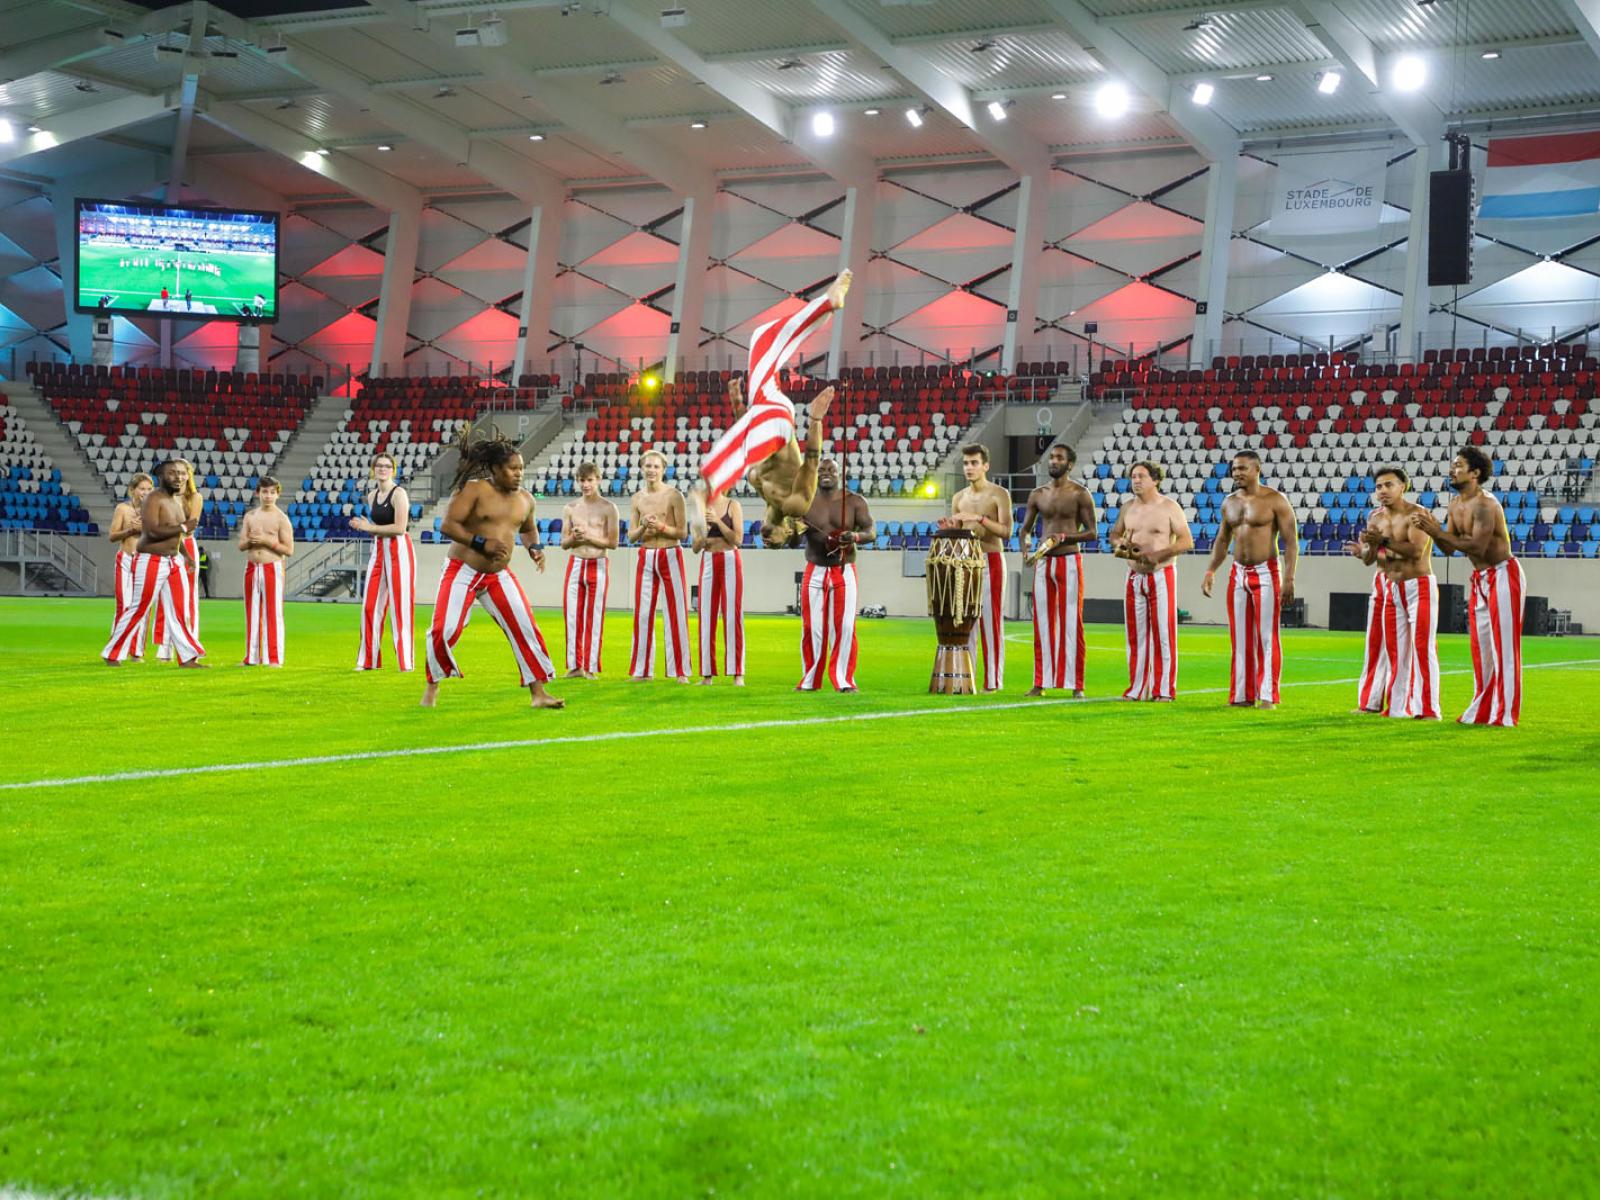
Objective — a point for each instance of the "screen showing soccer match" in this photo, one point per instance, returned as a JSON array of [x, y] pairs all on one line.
[[190, 262]]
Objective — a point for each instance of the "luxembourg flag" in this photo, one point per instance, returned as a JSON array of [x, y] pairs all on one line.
[[1554, 176]]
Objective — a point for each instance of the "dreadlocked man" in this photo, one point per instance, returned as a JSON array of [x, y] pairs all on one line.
[[488, 510]]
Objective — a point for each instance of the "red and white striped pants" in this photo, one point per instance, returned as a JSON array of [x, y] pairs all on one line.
[[191, 611], [1496, 609], [123, 591], [828, 627], [1058, 641], [659, 580], [1401, 670], [989, 633], [1150, 613], [584, 608], [159, 582], [1255, 599], [721, 598], [263, 614], [390, 591], [500, 593]]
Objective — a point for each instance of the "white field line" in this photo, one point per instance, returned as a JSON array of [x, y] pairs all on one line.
[[628, 735]]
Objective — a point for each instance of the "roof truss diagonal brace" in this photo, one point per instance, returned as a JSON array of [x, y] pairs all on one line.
[[1204, 129], [1012, 145], [1413, 114]]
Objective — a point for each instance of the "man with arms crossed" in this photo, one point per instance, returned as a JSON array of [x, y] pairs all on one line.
[[589, 528], [124, 535], [656, 523], [488, 512], [1063, 511], [1151, 531], [721, 592], [985, 509], [1478, 530], [1259, 523], [833, 528], [267, 538], [1401, 670], [159, 576]]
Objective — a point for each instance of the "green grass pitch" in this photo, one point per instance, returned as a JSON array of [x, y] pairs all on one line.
[[243, 276], [1039, 950]]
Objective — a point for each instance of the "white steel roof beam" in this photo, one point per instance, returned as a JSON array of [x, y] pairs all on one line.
[[1413, 113], [88, 122], [1012, 145], [1585, 14], [1208, 132]]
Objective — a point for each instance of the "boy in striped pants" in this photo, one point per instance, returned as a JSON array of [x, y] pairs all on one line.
[[656, 522], [267, 538], [589, 529]]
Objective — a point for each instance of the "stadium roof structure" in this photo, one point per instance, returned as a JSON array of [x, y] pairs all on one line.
[[392, 99]]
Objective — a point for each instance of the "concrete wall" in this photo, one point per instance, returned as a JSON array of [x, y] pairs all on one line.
[[1572, 584]]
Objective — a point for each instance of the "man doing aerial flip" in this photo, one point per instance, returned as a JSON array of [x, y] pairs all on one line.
[[761, 443]]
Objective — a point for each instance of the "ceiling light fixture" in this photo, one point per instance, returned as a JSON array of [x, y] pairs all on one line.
[[997, 110], [870, 112], [1202, 93], [35, 128], [1199, 24], [983, 47], [1112, 100], [323, 151], [536, 137], [1489, 55], [914, 117], [1263, 78], [1328, 82], [1410, 73], [1058, 95], [7, 132], [791, 64], [822, 124], [697, 124], [385, 146]]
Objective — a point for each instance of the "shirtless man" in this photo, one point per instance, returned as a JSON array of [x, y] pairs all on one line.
[[267, 538], [1477, 529], [1151, 531], [833, 527], [488, 512], [194, 503], [1063, 511], [761, 445], [159, 577], [985, 509], [1401, 670], [124, 535], [1259, 523], [589, 530], [721, 594], [656, 525]]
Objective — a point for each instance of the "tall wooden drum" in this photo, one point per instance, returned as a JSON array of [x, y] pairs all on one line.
[[955, 598]]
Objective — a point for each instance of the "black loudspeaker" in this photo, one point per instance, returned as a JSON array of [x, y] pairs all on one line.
[[1452, 608], [1347, 610], [1449, 228], [1536, 616]]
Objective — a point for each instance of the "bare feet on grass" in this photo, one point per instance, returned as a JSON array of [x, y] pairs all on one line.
[[542, 698], [430, 695]]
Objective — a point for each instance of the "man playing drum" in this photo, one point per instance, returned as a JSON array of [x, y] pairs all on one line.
[[1064, 512]]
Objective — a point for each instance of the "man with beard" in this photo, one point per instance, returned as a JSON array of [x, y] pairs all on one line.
[[1401, 671], [159, 579], [1259, 524], [832, 529], [1478, 530], [1151, 532], [1063, 511]]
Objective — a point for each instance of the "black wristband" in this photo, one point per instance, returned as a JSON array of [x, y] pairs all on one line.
[[479, 542]]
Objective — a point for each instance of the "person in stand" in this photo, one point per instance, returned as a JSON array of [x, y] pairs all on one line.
[[1477, 529], [126, 527], [390, 592], [721, 594], [656, 523], [267, 538], [590, 530], [837, 522], [204, 569], [984, 508], [1259, 523], [159, 577], [1151, 532], [194, 503], [488, 512], [1063, 511], [1400, 674]]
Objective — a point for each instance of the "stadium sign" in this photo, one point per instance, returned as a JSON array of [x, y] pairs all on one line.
[[1328, 193]]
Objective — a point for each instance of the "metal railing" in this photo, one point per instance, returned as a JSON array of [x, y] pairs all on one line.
[[345, 558], [45, 559]]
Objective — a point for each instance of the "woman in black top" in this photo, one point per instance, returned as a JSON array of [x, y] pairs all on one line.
[[392, 574]]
